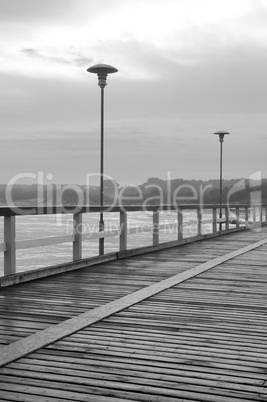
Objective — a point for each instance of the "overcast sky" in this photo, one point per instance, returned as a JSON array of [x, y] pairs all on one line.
[[187, 68]]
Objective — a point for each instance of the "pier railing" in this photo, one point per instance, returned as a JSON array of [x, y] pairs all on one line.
[[234, 217]]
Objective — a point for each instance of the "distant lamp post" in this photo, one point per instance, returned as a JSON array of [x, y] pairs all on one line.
[[221, 135], [102, 71]]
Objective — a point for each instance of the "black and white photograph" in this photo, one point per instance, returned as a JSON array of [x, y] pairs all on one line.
[[133, 200]]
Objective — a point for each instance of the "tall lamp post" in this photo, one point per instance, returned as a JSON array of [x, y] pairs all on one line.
[[102, 71], [221, 135]]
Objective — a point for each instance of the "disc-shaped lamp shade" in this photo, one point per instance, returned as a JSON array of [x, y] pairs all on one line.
[[221, 134], [102, 71]]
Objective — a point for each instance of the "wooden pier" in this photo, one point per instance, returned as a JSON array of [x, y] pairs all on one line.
[[187, 323]]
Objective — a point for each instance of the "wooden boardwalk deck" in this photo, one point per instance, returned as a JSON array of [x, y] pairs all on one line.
[[203, 339]]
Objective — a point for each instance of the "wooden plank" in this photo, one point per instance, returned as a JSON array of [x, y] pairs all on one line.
[[175, 243], [209, 332], [123, 379], [34, 342], [142, 391], [165, 347], [59, 358], [144, 359], [34, 393], [10, 280], [134, 368]]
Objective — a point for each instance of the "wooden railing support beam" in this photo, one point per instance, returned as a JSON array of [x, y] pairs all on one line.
[[237, 214], [226, 218], [123, 231], [10, 240], [155, 228], [246, 216], [214, 218], [77, 231], [199, 221], [254, 214], [180, 224]]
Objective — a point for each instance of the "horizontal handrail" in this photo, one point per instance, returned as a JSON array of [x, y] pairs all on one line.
[[50, 241], [218, 225], [46, 241], [140, 229], [71, 209], [100, 235]]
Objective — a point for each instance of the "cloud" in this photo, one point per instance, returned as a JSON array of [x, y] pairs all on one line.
[[72, 57], [186, 69], [138, 37], [34, 53]]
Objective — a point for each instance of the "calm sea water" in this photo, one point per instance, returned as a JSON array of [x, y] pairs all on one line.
[[34, 227]]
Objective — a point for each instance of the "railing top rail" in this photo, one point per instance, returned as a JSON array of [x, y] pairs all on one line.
[[74, 209]]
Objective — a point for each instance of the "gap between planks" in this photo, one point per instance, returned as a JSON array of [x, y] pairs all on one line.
[[43, 338]]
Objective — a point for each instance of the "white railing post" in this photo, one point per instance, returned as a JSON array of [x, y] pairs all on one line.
[[261, 214], [77, 231], [10, 240], [226, 218], [180, 224], [254, 215], [246, 216], [199, 221], [237, 214], [123, 230], [155, 228], [214, 219]]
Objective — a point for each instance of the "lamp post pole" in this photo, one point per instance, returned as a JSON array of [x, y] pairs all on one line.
[[221, 135], [102, 71]]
